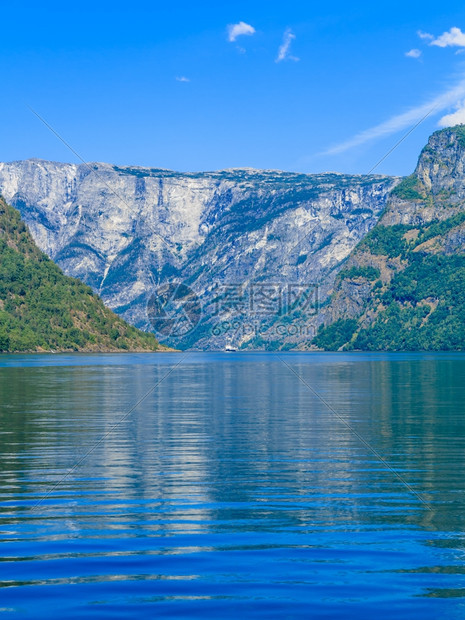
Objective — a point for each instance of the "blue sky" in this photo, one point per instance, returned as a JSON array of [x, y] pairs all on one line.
[[299, 86]]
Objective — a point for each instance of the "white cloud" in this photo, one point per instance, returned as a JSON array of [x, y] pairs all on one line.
[[453, 38], [426, 36], [285, 47], [182, 78], [238, 30], [415, 53], [456, 118], [401, 121]]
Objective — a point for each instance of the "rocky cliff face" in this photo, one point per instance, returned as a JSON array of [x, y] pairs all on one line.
[[127, 231], [403, 287]]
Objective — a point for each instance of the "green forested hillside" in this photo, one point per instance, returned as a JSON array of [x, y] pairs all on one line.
[[41, 309], [421, 308]]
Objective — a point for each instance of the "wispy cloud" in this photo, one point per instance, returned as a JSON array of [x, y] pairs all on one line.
[[285, 47], [426, 36], [452, 38], [415, 53], [401, 121], [456, 118], [239, 30], [182, 78]]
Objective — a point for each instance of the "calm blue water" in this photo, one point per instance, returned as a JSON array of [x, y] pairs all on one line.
[[232, 489]]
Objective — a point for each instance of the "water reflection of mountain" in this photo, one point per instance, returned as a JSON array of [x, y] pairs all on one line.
[[242, 444]]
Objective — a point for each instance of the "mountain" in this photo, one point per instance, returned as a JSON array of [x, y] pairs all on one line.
[[41, 309], [201, 237], [403, 287]]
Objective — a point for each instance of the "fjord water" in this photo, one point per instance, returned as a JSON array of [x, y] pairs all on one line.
[[232, 489]]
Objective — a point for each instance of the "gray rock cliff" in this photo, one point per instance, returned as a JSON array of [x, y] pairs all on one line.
[[126, 231]]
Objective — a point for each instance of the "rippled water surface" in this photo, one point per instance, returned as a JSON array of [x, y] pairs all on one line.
[[232, 490]]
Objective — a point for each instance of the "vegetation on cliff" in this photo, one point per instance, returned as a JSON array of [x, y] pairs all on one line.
[[417, 299]]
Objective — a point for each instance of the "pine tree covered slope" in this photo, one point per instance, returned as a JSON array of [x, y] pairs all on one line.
[[41, 309], [403, 287]]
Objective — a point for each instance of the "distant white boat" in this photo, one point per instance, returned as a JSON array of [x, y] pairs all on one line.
[[229, 348]]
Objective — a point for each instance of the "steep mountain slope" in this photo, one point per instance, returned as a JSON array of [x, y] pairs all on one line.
[[126, 231], [41, 309], [403, 287]]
